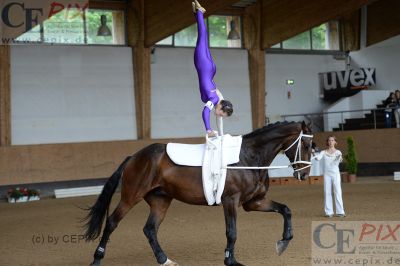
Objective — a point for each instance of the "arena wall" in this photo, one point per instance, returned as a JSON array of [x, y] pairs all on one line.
[[305, 92], [90, 160], [63, 94], [377, 151], [383, 56], [70, 161], [372, 146]]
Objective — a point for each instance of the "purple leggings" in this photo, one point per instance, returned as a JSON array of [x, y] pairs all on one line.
[[206, 69]]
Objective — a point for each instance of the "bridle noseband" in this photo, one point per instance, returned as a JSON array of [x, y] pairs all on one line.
[[298, 152]]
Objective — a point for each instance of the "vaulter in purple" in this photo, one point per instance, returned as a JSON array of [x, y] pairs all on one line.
[[206, 69]]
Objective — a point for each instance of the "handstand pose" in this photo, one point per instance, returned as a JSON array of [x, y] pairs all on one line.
[[206, 69]]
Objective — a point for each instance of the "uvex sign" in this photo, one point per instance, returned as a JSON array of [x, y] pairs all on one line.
[[337, 84], [348, 78], [21, 16]]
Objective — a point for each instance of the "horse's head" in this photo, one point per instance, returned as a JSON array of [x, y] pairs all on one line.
[[297, 148]]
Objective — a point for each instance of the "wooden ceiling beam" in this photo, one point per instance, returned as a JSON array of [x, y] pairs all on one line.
[[383, 20], [166, 17], [141, 67], [5, 95], [350, 30], [256, 61], [231, 11], [107, 5], [283, 19]]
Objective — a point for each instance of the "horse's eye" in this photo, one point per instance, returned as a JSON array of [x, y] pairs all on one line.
[[308, 146]]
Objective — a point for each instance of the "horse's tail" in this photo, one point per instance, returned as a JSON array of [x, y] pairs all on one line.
[[98, 211]]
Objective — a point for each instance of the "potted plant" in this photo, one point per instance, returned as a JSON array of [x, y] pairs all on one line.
[[33, 194], [21, 194], [17, 195], [351, 160], [344, 176]]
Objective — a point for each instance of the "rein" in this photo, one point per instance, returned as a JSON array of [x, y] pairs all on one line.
[[298, 155]]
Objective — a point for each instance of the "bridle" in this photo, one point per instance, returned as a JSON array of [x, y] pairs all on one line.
[[297, 157]]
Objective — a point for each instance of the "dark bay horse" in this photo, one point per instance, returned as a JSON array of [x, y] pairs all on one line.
[[151, 175]]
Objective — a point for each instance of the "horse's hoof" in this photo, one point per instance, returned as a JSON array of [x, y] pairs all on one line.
[[169, 263], [232, 263], [236, 264], [96, 262], [281, 246]]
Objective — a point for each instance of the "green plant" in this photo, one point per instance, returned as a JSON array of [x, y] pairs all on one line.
[[16, 193], [351, 160], [33, 192], [19, 192]]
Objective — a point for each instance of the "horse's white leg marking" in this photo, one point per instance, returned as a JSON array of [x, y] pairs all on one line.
[[169, 263]]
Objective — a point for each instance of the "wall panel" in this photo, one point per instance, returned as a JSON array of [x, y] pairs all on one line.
[[176, 104], [71, 94]]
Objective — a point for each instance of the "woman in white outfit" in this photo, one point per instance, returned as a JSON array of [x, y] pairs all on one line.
[[331, 159]]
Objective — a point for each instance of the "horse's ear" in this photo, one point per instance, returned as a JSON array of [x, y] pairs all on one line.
[[304, 126], [309, 125]]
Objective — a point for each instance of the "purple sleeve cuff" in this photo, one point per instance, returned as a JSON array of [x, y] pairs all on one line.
[[206, 117]]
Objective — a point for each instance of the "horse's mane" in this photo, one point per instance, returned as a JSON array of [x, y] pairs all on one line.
[[266, 128]]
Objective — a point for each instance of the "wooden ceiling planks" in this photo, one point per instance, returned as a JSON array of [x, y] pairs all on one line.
[[166, 17], [383, 20], [283, 19]]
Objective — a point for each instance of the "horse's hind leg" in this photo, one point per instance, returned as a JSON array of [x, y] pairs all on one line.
[[266, 205], [159, 203], [111, 223], [137, 181]]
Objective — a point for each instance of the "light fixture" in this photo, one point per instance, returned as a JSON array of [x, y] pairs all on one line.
[[153, 59], [348, 60], [233, 34], [104, 30]]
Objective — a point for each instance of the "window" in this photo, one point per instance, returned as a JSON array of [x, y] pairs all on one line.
[[324, 37], [62, 28], [319, 37], [166, 41], [34, 35], [301, 41], [218, 28], [186, 37], [68, 27]]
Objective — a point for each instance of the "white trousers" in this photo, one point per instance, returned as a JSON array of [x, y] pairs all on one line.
[[397, 117], [329, 182]]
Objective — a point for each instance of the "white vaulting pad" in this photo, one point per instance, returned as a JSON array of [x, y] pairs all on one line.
[[186, 154], [193, 154], [213, 156]]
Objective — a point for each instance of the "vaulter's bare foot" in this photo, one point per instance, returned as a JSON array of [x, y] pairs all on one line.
[[196, 6]]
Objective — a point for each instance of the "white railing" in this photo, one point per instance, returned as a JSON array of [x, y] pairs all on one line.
[[340, 117], [352, 107]]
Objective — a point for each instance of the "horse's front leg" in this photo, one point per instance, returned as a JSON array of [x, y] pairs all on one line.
[[266, 205], [230, 211]]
